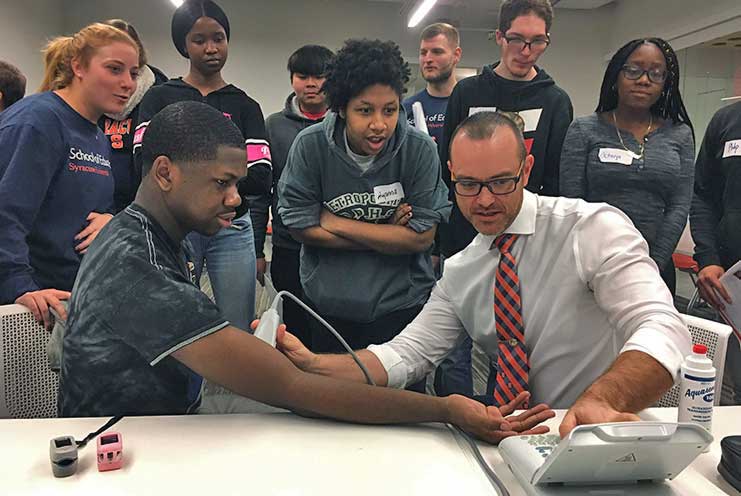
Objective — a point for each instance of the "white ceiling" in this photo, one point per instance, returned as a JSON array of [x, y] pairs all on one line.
[[493, 5], [582, 4], [479, 14]]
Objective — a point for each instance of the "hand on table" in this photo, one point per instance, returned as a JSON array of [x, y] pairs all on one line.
[[96, 222], [39, 303], [492, 424], [592, 410]]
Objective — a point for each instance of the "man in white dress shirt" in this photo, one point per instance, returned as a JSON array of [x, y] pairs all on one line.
[[601, 334]]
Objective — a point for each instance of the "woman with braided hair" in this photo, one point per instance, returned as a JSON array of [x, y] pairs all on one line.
[[636, 152]]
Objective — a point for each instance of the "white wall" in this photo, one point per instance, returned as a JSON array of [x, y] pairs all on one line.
[[574, 58], [260, 44], [709, 74], [24, 29], [265, 32], [682, 23]]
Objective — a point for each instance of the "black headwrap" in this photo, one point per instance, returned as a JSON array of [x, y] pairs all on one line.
[[188, 13]]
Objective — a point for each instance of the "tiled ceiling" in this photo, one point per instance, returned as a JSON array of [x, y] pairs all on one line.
[[728, 41]]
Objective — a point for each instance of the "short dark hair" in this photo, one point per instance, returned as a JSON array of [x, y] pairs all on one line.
[[311, 60], [442, 28], [188, 132], [12, 84], [483, 125], [669, 105], [363, 63], [187, 14], [512, 9]]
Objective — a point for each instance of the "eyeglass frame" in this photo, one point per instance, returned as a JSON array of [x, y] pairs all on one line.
[[647, 72], [528, 44], [515, 181]]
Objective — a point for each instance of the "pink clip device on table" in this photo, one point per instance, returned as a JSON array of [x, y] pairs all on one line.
[[110, 452]]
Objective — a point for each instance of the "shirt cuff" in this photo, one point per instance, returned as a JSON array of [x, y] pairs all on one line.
[[395, 367], [668, 352]]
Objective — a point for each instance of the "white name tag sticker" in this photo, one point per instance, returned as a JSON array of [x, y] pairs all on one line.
[[732, 149], [388, 194], [530, 118], [476, 110], [615, 156]]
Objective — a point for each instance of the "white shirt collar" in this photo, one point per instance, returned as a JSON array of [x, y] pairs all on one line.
[[524, 223]]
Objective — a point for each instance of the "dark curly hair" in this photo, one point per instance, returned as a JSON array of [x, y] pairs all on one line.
[[669, 105], [363, 63]]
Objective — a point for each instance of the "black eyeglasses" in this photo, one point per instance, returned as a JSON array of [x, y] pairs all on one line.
[[499, 186], [633, 72], [536, 45]]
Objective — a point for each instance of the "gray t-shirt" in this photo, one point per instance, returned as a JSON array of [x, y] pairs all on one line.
[[363, 161], [133, 304], [654, 191]]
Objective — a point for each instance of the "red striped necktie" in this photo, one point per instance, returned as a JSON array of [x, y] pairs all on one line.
[[512, 364]]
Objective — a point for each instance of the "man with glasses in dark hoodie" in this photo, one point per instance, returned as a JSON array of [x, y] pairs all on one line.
[[514, 85], [306, 105]]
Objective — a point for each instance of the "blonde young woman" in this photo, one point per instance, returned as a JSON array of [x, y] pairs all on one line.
[[56, 185]]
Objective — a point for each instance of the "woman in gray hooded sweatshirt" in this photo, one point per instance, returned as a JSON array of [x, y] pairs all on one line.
[[362, 192]]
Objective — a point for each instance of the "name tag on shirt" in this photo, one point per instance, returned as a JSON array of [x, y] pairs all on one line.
[[732, 149], [388, 194], [476, 110], [615, 156]]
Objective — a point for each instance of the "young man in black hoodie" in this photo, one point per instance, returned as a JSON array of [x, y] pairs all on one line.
[[715, 217], [513, 85], [305, 106]]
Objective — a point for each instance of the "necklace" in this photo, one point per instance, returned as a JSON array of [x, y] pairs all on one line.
[[642, 146]]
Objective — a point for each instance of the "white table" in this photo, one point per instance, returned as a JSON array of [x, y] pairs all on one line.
[[282, 454]]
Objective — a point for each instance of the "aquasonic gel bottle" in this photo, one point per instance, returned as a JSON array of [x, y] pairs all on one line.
[[697, 388]]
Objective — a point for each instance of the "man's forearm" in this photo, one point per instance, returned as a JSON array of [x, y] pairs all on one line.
[[354, 402], [634, 382], [344, 367], [383, 238], [318, 236], [251, 368]]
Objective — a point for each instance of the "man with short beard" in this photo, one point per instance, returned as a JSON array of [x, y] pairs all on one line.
[[439, 54]]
